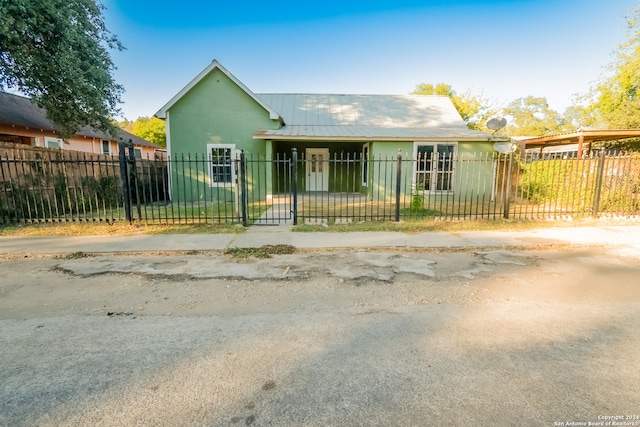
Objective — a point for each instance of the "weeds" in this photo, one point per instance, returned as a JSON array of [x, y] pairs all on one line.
[[265, 251]]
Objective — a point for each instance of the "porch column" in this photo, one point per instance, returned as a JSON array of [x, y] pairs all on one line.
[[268, 155]]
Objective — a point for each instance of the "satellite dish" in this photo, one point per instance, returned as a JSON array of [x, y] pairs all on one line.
[[496, 123], [504, 147]]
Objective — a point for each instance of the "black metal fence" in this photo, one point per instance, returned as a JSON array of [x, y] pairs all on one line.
[[51, 186]]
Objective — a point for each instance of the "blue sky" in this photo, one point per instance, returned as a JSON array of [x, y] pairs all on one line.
[[500, 49]]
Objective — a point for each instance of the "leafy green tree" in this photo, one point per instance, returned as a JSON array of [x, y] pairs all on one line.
[[532, 116], [57, 53], [126, 125], [152, 129], [573, 118], [614, 101], [474, 110]]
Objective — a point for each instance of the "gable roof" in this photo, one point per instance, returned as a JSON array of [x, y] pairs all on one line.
[[367, 117], [162, 112], [20, 111], [351, 117]]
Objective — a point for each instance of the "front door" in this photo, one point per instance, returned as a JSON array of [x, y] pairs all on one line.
[[317, 160]]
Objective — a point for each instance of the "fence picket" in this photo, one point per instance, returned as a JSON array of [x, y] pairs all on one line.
[[58, 186]]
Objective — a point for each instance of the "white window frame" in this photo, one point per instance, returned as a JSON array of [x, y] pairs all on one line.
[[366, 153], [434, 167], [213, 175], [49, 142], [102, 150]]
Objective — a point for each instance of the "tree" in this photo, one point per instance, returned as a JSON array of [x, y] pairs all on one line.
[[614, 101], [473, 109], [57, 53], [532, 116], [152, 129]]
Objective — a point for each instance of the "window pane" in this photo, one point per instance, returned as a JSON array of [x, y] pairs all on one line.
[[221, 164], [445, 149], [434, 168], [425, 155]]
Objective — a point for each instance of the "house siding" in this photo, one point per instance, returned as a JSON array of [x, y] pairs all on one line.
[[36, 138], [214, 111], [217, 111], [481, 171]]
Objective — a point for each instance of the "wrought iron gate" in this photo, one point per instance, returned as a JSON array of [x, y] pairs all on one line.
[[268, 189]]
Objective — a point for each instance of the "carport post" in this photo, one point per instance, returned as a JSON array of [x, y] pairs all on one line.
[[507, 190], [599, 177]]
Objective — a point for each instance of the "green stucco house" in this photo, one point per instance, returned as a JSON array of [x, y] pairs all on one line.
[[217, 116]]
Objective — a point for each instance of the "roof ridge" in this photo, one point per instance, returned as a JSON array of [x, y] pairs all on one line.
[[351, 94]]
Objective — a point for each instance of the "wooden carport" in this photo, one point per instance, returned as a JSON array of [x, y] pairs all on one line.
[[581, 138]]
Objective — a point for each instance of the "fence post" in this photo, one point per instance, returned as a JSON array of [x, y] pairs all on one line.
[[599, 178], [124, 177], [294, 183], [133, 174], [243, 188], [398, 186], [507, 190]]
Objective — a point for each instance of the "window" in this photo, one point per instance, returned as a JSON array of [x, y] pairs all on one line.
[[106, 147], [53, 142], [434, 167], [221, 164], [365, 165], [137, 152]]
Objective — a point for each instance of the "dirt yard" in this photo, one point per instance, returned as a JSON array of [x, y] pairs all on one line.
[[321, 338]]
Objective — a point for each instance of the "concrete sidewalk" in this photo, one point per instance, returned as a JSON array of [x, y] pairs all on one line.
[[625, 238]]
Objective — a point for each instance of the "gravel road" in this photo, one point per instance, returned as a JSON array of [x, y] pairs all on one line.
[[320, 338]]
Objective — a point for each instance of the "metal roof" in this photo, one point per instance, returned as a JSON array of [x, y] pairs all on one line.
[[367, 117], [364, 110], [372, 133], [587, 136]]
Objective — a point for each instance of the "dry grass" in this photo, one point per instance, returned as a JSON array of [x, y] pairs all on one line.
[[116, 229], [420, 226], [412, 226], [265, 251]]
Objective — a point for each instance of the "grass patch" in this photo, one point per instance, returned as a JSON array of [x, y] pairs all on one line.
[[419, 212], [124, 229], [426, 225], [265, 251]]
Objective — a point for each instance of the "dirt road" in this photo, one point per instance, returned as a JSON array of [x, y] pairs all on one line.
[[322, 338]]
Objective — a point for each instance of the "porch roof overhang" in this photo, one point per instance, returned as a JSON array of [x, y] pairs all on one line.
[[371, 133], [581, 137]]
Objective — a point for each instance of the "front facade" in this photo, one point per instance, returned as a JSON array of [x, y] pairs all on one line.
[[218, 115]]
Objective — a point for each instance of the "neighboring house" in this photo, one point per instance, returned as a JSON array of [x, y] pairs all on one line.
[[23, 122], [218, 115]]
